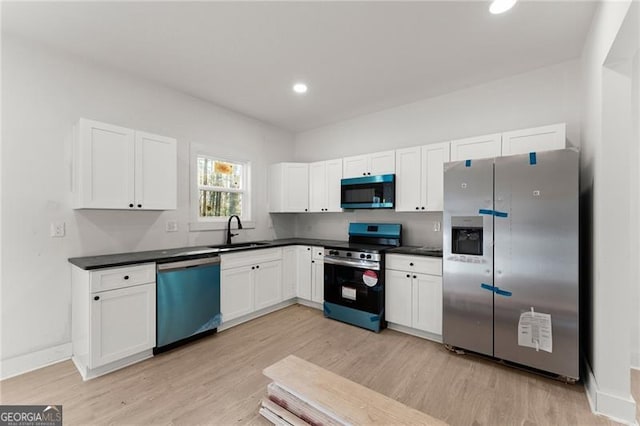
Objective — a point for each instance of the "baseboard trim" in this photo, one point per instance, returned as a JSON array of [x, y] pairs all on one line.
[[413, 332], [18, 365], [309, 303], [621, 410], [635, 360]]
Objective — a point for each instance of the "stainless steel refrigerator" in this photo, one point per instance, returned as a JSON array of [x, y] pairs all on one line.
[[510, 259]]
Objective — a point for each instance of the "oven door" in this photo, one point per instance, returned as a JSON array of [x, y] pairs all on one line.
[[355, 284]]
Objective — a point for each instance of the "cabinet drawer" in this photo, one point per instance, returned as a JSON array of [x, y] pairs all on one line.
[[113, 278], [249, 257], [417, 264]]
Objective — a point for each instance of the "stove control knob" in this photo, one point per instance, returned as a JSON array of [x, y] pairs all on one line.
[[362, 256], [348, 254], [368, 256]]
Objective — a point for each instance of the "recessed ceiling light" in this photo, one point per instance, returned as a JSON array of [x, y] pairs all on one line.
[[300, 88], [501, 6]]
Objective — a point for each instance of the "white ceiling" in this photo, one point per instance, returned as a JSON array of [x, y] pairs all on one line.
[[357, 57]]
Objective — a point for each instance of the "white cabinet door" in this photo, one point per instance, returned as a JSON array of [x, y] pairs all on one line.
[[317, 186], [317, 281], [156, 172], [543, 138], [123, 323], [433, 158], [268, 284], [382, 163], [289, 272], [427, 303], [236, 292], [288, 187], [398, 297], [408, 179], [104, 160], [355, 166], [304, 272], [333, 188], [487, 146]]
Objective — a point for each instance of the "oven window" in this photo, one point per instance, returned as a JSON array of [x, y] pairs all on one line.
[[357, 288]]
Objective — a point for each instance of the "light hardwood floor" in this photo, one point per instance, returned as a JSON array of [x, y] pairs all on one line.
[[218, 380]]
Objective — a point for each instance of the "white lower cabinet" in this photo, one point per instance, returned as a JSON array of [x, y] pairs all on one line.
[[113, 327], [303, 272], [268, 284], [236, 292], [289, 272], [413, 295], [250, 281]]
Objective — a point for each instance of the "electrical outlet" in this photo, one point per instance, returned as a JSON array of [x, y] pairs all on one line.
[[436, 226], [172, 226], [56, 229]]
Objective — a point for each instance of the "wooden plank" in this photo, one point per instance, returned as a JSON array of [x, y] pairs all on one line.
[[287, 416], [342, 399], [298, 407]]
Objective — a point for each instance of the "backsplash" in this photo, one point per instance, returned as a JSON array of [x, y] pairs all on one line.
[[417, 228]]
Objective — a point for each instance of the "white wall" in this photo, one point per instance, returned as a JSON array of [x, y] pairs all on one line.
[[635, 329], [543, 96], [607, 159], [44, 94]]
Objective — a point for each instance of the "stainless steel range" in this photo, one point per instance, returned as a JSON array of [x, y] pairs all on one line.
[[354, 275]]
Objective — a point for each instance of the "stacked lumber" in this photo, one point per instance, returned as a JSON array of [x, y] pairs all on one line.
[[304, 394]]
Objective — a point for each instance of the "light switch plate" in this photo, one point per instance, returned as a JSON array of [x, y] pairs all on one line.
[[57, 229], [172, 226], [436, 226]]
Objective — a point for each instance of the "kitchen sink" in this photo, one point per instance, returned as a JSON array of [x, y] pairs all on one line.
[[238, 245]]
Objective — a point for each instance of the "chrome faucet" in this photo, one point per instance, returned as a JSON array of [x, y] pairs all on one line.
[[229, 234]]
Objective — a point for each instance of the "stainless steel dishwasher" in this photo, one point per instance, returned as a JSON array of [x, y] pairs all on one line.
[[188, 301]]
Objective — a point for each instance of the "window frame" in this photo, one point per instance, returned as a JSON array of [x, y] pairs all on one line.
[[199, 223]]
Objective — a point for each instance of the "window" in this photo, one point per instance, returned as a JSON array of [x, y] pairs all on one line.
[[222, 188]]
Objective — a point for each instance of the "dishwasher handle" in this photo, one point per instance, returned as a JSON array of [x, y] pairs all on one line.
[[192, 263]]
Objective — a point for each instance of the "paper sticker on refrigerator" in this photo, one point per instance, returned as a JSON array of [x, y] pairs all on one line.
[[534, 331]]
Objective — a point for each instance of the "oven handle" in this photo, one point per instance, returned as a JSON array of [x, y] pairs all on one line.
[[361, 264]]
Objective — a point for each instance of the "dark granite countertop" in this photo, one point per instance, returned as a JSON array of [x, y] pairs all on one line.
[[418, 251], [186, 253]]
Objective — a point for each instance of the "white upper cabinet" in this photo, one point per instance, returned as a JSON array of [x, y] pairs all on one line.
[[537, 139], [408, 179], [487, 146], [119, 168], [433, 158], [324, 186], [378, 163], [419, 177], [289, 187], [156, 181]]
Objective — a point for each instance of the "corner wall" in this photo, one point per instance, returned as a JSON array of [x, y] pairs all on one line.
[[44, 93], [606, 208]]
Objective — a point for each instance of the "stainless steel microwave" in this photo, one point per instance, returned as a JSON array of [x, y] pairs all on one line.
[[368, 192]]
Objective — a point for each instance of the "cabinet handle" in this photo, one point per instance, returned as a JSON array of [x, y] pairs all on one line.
[[313, 261], [408, 276], [369, 173], [130, 205], [364, 174], [253, 267], [305, 210], [423, 208], [417, 208], [126, 277], [139, 206], [96, 298], [415, 276], [411, 264], [308, 248], [257, 266]]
